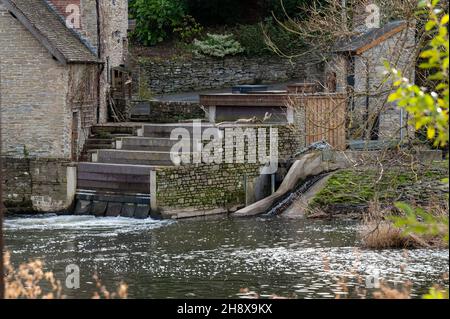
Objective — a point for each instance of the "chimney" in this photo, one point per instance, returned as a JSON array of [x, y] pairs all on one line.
[[366, 16]]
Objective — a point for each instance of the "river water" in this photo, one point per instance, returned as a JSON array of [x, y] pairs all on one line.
[[216, 257]]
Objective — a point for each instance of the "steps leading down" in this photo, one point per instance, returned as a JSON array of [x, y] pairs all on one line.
[[152, 146], [117, 181]]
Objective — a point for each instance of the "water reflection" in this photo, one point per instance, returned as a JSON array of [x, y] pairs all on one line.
[[216, 257]]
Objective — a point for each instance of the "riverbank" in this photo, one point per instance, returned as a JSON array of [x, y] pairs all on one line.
[[350, 192]]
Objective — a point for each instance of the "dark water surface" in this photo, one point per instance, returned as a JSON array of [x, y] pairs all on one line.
[[215, 258]]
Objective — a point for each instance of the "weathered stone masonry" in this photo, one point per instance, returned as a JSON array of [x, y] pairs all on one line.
[[217, 186], [204, 186], [165, 112], [50, 94], [183, 74], [31, 184]]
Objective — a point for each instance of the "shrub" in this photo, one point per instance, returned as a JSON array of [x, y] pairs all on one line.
[[188, 29], [217, 45], [253, 38], [155, 19]]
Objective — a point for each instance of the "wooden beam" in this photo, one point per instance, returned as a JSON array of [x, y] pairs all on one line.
[[34, 31], [381, 39]]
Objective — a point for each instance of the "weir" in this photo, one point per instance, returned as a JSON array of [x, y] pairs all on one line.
[[113, 190], [304, 173], [120, 180], [119, 175]]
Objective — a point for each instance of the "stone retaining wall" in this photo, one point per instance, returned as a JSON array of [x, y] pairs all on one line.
[[165, 112], [182, 74], [203, 186], [219, 187], [34, 185]]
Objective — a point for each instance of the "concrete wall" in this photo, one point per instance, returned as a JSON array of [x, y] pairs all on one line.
[[33, 90], [182, 74]]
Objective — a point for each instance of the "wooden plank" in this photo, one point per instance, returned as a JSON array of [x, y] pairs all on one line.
[[108, 177], [114, 168], [122, 187], [324, 120], [381, 39]]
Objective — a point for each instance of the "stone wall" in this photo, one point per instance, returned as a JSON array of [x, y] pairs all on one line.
[[33, 90], [165, 112], [219, 186], [39, 97], [203, 186], [114, 45], [34, 185], [114, 25], [368, 102], [82, 102], [370, 81], [183, 74]]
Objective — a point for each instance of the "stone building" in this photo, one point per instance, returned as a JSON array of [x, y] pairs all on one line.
[[56, 64], [358, 67], [57, 56]]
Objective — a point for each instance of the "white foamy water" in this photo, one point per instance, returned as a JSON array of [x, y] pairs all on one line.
[[55, 222]]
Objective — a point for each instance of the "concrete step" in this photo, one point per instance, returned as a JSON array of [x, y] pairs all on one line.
[[165, 130], [110, 178], [112, 129], [153, 158], [96, 141], [90, 147], [158, 144]]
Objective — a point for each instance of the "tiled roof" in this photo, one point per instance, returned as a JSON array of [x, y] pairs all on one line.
[[48, 28], [365, 41]]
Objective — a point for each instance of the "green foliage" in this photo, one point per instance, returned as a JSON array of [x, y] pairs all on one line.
[[418, 221], [429, 109], [436, 293], [217, 45], [253, 39], [155, 19], [144, 91], [26, 153], [188, 29]]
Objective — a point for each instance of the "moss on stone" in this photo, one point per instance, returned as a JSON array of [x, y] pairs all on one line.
[[360, 186]]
